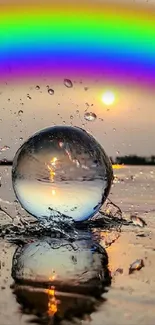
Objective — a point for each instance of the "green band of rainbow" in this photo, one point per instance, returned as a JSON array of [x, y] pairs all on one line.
[[86, 41]]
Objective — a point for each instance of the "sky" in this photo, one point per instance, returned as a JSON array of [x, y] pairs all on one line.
[[127, 126]]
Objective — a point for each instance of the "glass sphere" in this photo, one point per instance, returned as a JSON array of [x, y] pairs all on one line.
[[61, 170]]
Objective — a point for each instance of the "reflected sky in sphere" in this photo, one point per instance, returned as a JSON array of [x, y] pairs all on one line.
[[61, 170]]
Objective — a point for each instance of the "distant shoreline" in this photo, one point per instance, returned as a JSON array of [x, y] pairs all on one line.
[[114, 163], [6, 163], [134, 160]]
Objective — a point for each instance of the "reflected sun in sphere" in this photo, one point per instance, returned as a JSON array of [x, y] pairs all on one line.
[[108, 97]]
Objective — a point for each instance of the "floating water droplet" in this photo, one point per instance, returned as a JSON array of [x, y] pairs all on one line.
[[68, 83], [4, 148], [89, 116], [37, 87], [20, 112], [50, 91], [28, 96], [42, 166]]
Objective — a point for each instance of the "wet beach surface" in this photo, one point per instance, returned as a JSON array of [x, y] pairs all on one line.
[[130, 297]]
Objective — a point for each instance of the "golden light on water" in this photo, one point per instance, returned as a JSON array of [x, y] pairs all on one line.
[[108, 97], [117, 166], [52, 173], [50, 168], [53, 192], [52, 301], [53, 161]]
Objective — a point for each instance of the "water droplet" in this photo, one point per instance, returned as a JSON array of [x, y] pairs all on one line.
[[37, 87], [68, 83], [137, 221], [86, 88], [47, 162], [71, 117], [136, 265], [28, 96], [4, 148], [89, 116], [20, 112], [50, 91]]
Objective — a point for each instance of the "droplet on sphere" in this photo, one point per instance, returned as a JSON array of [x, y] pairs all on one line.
[[51, 91], [89, 116], [4, 148], [68, 83], [60, 160], [37, 87]]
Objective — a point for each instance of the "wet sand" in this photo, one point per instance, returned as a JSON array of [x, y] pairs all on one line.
[[130, 299]]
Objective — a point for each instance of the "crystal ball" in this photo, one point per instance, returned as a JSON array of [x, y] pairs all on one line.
[[63, 171]]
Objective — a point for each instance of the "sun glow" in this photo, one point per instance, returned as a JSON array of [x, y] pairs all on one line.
[[108, 97]]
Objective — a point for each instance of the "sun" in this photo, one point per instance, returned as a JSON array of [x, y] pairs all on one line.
[[108, 97]]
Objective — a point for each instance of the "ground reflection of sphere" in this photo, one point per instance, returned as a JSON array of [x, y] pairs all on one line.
[[79, 266], [61, 170], [61, 279]]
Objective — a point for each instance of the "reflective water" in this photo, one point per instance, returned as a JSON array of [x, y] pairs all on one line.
[[49, 306]]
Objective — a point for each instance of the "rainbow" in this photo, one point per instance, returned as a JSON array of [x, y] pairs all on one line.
[[86, 40]]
